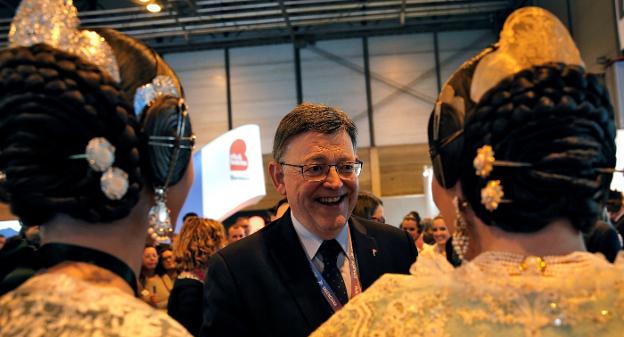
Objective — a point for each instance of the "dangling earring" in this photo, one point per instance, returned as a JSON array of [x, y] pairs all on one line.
[[159, 219], [460, 235]]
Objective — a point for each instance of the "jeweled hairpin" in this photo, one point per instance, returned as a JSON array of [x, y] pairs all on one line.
[[145, 95], [100, 154], [55, 22], [492, 195], [484, 162]]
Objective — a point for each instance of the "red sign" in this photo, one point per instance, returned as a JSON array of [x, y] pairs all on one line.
[[238, 156]]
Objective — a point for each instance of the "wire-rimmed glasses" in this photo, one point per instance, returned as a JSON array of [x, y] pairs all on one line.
[[319, 172]]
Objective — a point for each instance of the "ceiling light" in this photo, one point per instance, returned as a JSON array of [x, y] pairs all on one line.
[[144, 1], [153, 8]]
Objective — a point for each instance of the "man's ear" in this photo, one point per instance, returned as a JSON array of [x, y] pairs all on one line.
[[277, 176]]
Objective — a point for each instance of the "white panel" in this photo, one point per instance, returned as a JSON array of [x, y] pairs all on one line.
[[232, 172], [263, 88], [203, 77], [405, 90], [337, 80]]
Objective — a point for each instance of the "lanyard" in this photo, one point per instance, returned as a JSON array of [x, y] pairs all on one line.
[[326, 290]]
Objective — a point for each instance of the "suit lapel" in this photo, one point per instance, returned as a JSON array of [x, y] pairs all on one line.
[[293, 268], [365, 248]]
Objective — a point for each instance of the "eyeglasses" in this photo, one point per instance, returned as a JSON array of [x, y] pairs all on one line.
[[319, 172]]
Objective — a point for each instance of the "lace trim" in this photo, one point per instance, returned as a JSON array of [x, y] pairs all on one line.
[[190, 275]]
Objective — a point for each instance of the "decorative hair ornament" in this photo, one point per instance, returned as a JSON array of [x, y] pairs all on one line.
[[100, 154], [145, 95], [484, 162], [3, 177], [530, 36], [461, 239], [492, 195], [55, 22], [160, 227], [159, 218]]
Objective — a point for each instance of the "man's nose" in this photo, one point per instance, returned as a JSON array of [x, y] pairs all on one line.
[[333, 179]]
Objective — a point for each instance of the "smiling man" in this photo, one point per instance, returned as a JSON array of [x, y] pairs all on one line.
[[291, 276]]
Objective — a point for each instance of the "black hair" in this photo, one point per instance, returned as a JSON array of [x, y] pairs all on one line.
[[312, 117], [189, 215], [53, 103], [614, 202], [138, 65], [559, 120]]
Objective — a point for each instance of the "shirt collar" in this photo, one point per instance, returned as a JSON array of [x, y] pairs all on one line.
[[311, 242]]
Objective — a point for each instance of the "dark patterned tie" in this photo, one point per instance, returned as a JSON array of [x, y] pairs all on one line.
[[328, 253]]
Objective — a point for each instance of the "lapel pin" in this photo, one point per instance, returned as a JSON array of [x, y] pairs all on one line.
[[374, 252]]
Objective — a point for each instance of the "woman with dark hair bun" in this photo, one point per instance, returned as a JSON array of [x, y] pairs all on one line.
[[95, 143], [522, 142]]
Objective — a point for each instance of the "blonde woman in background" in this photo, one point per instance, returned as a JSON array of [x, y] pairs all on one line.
[[198, 240]]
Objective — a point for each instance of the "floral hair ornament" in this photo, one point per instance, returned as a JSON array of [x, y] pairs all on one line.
[[146, 94], [492, 195], [100, 154], [55, 23], [484, 162]]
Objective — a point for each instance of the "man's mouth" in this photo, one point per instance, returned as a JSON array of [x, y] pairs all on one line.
[[331, 201]]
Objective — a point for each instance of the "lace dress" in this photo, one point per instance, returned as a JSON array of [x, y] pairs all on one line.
[[59, 305], [496, 294]]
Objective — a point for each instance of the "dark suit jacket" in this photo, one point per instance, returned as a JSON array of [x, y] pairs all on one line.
[[262, 285], [185, 304]]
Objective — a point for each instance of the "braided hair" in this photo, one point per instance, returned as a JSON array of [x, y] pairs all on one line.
[[52, 104], [558, 119]]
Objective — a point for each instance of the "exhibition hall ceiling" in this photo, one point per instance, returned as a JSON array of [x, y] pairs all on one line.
[[185, 25]]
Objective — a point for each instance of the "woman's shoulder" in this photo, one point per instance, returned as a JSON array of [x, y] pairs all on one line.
[[79, 308]]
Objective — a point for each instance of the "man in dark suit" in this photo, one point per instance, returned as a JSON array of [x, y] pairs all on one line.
[[289, 277]]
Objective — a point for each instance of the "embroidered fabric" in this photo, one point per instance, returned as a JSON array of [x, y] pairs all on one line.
[[58, 305], [496, 294]]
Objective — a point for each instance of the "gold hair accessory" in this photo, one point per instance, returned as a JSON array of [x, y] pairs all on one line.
[[55, 22], [100, 154], [531, 36], [492, 195], [484, 162]]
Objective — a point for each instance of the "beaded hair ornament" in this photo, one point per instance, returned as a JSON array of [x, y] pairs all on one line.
[[55, 23]]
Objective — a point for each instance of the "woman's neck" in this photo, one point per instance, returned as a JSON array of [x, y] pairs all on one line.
[[148, 272], [123, 239], [557, 238]]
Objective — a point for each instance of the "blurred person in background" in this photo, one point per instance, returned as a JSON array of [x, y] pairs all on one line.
[[235, 233], [369, 207], [154, 289], [199, 239]]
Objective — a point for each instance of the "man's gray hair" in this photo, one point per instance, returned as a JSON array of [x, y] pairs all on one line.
[[312, 117]]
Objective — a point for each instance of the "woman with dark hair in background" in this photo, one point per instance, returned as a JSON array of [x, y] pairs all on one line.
[[523, 140], [154, 289], [199, 239], [167, 265], [77, 159]]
